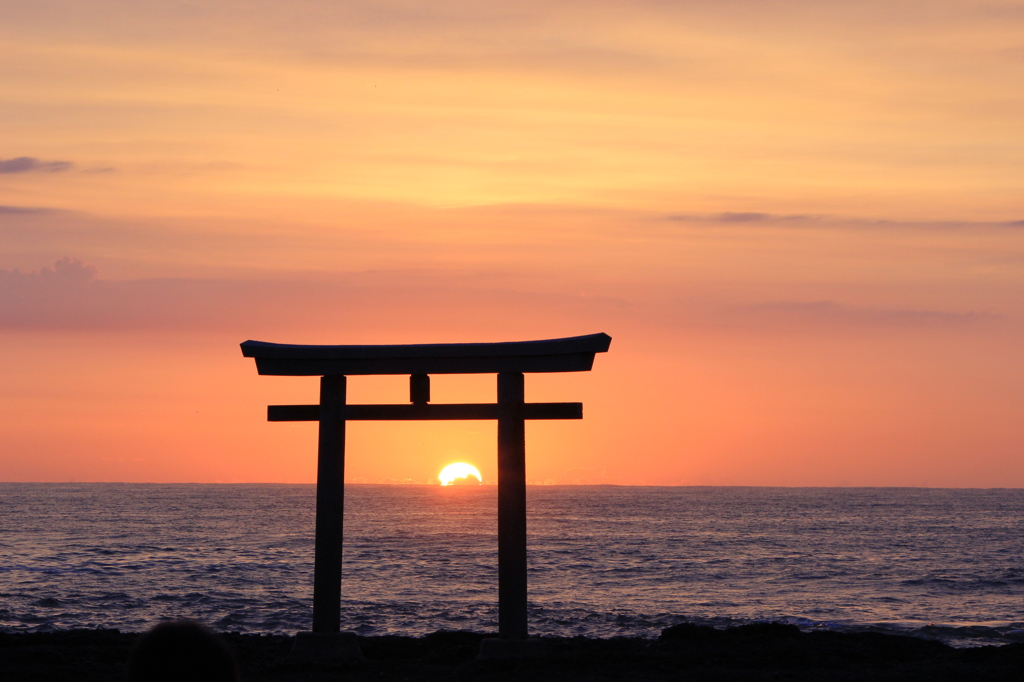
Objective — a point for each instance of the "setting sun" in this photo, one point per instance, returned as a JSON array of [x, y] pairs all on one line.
[[460, 472]]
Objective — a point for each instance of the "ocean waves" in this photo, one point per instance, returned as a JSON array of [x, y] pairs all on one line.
[[604, 561]]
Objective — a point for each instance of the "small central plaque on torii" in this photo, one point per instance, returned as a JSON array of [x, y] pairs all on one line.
[[508, 360]]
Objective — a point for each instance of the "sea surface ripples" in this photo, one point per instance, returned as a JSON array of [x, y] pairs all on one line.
[[604, 561]]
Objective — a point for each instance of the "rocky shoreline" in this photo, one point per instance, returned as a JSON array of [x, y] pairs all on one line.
[[690, 652]]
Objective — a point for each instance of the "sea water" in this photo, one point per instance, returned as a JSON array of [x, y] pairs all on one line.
[[604, 560]]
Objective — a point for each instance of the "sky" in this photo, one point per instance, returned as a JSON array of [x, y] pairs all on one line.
[[800, 221]]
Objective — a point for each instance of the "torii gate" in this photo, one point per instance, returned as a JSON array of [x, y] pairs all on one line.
[[508, 360]]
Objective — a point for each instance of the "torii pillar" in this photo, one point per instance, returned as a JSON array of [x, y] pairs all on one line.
[[509, 361]]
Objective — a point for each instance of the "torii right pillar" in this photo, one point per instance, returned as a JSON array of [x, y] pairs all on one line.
[[511, 507]]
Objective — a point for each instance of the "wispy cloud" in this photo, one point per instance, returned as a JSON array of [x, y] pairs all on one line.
[[64, 271], [23, 210], [30, 164], [756, 217], [831, 313], [740, 217]]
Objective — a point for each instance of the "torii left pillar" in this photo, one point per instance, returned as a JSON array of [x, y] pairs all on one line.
[[330, 505], [509, 361]]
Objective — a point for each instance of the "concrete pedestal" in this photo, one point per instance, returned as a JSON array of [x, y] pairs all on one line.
[[494, 649], [326, 647]]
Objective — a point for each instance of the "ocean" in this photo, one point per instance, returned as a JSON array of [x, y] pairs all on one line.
[[604, 560]]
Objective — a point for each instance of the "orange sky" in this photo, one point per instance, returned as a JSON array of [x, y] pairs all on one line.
[[801, 223]]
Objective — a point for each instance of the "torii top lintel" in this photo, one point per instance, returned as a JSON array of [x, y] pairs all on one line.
[[573, 354]]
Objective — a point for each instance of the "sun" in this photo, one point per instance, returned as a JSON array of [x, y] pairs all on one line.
[[459, 472]]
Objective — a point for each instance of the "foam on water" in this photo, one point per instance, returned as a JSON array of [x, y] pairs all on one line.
[[604, 561]]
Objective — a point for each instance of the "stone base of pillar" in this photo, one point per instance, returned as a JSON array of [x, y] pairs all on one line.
[[492, 649], [326, 647]]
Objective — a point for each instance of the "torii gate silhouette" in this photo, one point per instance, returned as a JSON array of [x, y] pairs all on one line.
[[508, 360]]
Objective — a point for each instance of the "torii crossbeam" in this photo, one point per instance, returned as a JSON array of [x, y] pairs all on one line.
[[508, 360]]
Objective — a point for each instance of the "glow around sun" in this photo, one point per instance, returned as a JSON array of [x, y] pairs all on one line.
[[460, 472]]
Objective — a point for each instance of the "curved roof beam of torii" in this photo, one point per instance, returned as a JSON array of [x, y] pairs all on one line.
[[573, 354]]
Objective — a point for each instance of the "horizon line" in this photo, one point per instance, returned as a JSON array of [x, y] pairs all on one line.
[[531, 485]]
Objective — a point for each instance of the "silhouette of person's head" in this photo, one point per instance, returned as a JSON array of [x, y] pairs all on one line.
[[182, 651]]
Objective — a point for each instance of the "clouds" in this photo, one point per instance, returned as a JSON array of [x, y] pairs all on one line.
[[69, 296], [737, 272], [30, 164]]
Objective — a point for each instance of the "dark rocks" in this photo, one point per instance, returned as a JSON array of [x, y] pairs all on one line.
[[768, 651]]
